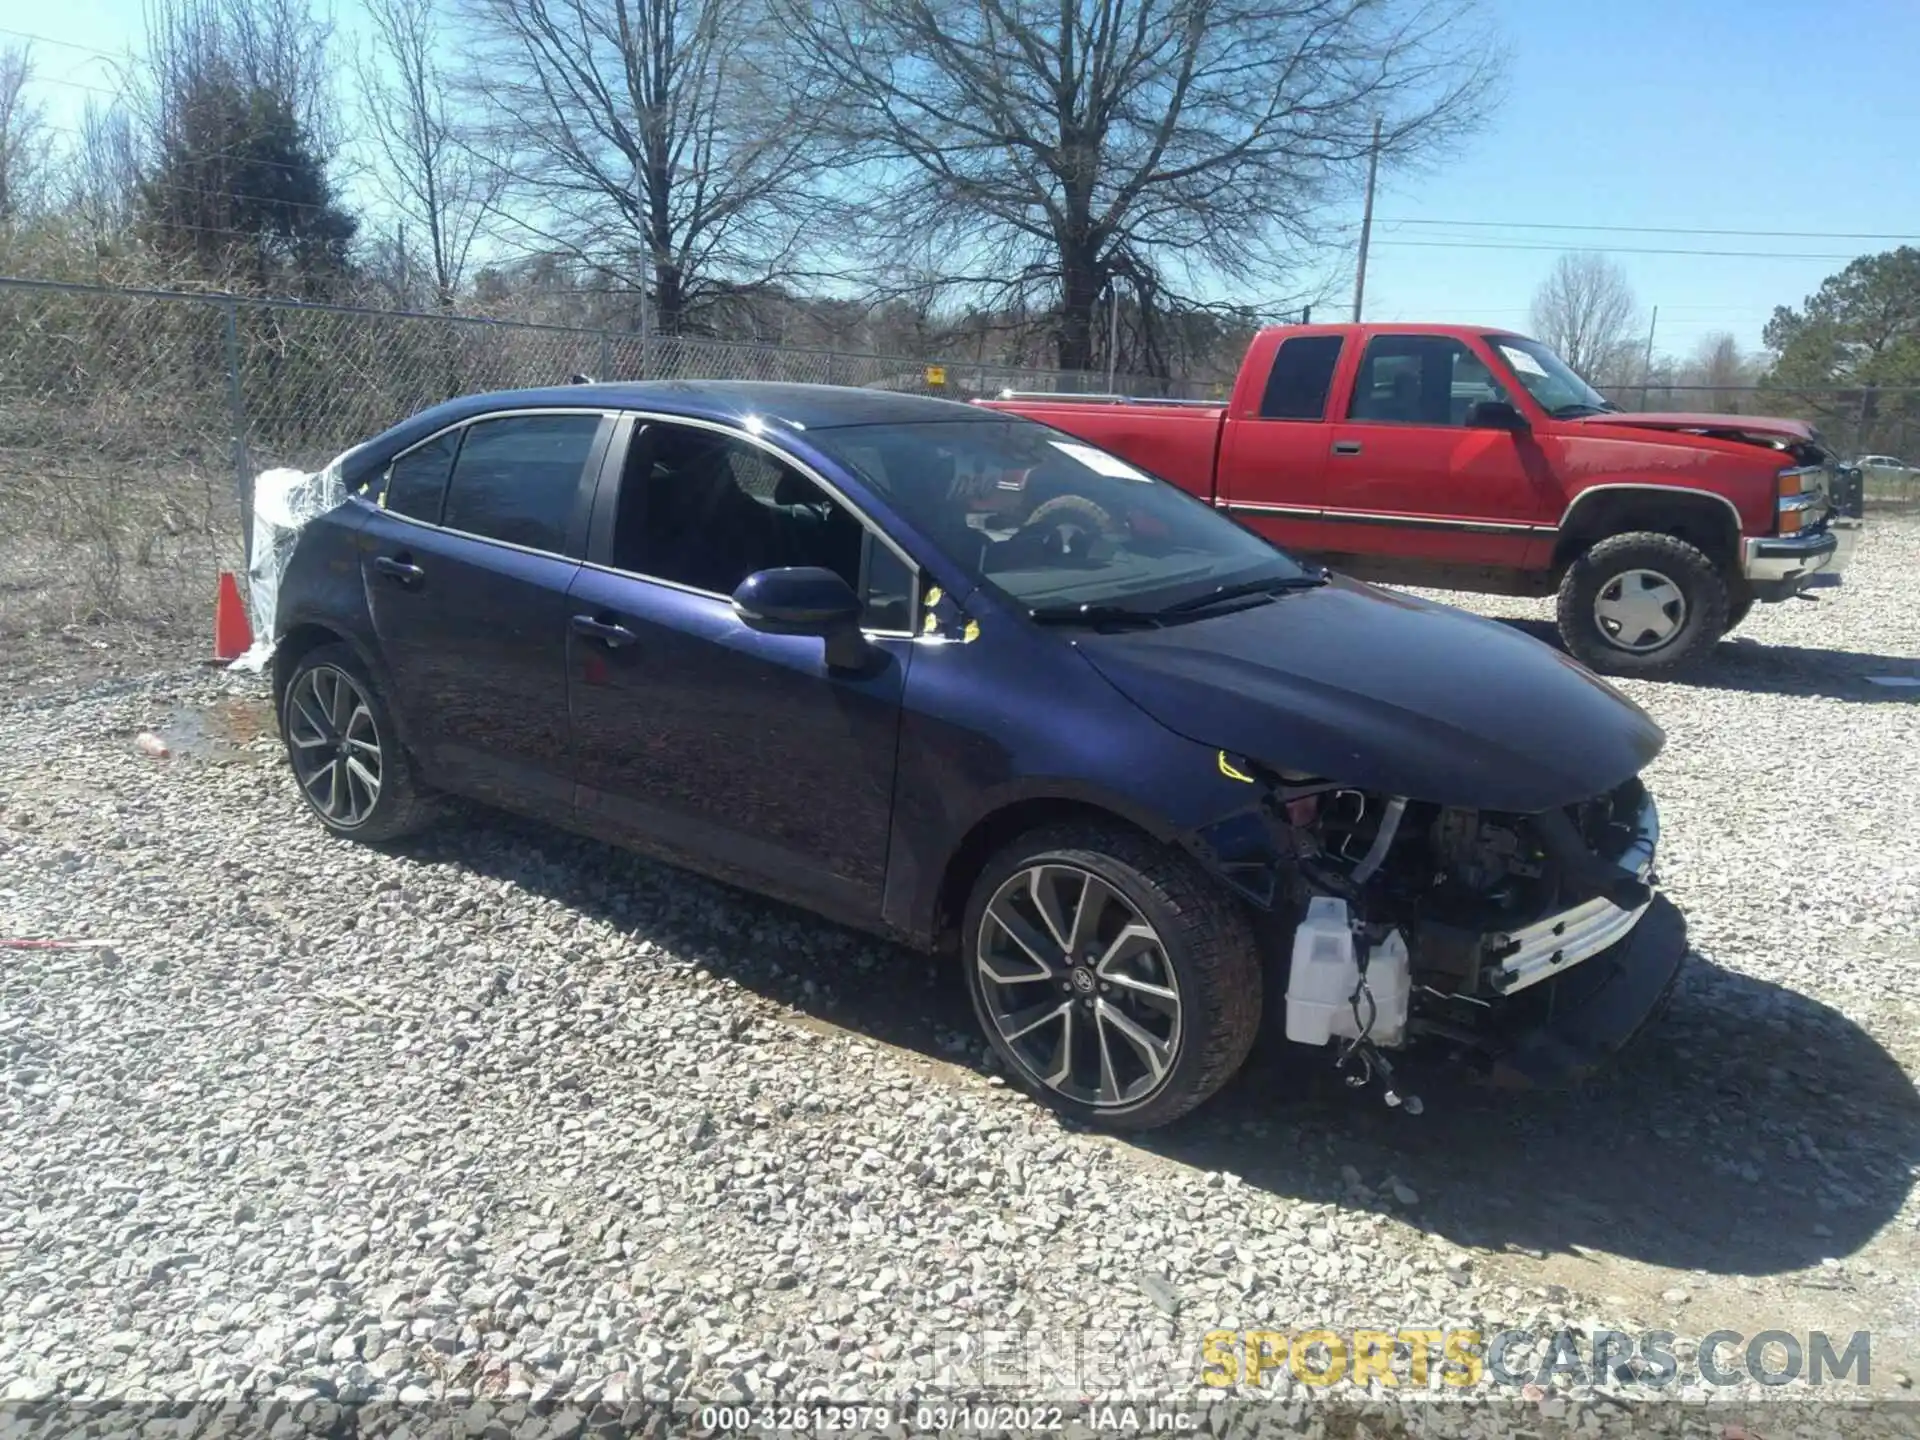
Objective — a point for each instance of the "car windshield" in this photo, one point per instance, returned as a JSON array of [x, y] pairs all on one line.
[[1549, 379], [1053, 523]]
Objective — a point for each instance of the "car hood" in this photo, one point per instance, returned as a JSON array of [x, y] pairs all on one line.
[[1386, 693], [1748, 427]]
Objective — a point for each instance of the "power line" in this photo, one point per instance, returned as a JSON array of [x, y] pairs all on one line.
[[1611, 250], [1661, 230], [63, 44]]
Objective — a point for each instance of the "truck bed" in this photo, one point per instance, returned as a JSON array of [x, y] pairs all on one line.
[[1177, 442]]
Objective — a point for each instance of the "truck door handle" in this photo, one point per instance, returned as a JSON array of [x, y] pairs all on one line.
[[612, 636], [404, 571], [1346, 447]]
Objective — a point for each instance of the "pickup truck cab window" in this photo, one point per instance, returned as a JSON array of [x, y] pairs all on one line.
[[1051, 522], [1302, 375], [1420, 380]]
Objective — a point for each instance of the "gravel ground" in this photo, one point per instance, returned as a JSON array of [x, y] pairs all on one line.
[[510, 1115]]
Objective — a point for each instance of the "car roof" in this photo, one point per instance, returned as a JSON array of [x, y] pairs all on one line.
[[804, 407]]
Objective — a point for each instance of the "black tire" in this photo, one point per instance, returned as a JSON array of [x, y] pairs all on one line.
[[1618, 564], [400, 804], [1202, 933]]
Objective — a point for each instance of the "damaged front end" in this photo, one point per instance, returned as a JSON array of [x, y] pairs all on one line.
[[1531, 947]]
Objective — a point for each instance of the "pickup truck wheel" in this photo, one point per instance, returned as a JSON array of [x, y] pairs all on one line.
[[1116, 981], [1642, 604], [1738, 608]]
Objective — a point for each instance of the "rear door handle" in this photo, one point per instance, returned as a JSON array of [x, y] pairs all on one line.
[[1346, 447], [613, 636], [405, 571]]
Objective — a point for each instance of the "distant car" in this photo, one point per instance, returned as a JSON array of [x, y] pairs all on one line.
[[1887, 472], [962, 680]]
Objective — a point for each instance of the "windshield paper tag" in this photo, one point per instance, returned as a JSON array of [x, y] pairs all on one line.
[[1523, 362], [1098, 461]]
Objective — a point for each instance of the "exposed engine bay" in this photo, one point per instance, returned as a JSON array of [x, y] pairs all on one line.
[[1416, 921]]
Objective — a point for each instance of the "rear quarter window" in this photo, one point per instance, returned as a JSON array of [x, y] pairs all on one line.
[[1302, 375], [417, 481]]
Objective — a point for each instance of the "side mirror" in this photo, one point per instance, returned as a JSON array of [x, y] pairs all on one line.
[[805, 600], [1496, 415]]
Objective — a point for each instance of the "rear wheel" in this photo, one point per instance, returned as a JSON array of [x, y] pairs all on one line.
[[1642, 604], [346, 754], [1114, 978]]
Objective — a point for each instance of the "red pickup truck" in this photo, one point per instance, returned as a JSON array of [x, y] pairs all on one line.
[[1468, 458]]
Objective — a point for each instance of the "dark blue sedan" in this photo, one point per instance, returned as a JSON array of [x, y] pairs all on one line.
[[963, 680]]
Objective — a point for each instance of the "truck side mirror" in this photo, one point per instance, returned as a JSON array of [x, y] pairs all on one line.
[[1496, 415]]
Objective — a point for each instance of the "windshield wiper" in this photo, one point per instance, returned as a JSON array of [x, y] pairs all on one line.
[[1092, 615], [1247, 590], [1579, 408]]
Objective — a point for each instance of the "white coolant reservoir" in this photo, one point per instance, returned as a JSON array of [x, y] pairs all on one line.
[[1326, 972], [1390, 978]]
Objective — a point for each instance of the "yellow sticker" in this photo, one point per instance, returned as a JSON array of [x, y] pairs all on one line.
[[1231, 773], [933, 595], [972, 632], [933, 624]]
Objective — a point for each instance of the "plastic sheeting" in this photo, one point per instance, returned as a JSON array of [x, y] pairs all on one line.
[[284, 502]]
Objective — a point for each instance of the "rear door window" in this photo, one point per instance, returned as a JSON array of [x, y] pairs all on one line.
[[1301, 376], [518, 479], [417, 481]]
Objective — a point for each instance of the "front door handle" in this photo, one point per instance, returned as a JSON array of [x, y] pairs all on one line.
[[405, 571], [1346, 447], [613, 636]]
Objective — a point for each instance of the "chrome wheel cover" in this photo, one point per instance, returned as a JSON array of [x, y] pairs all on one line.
[[1640, 610]]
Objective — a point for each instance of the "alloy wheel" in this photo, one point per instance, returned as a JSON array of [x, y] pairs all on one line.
[[1640, 610], [335, 745], [1078, 985]]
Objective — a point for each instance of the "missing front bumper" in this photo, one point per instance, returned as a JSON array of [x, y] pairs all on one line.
[[1572, 1027]]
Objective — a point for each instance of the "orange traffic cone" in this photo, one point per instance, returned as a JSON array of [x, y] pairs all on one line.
[[232, 632]]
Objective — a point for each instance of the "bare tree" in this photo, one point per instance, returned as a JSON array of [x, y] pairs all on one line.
[[102, 175], [659, 136], [23, 137], [430, 176], [1585, 310], [1186, 147]]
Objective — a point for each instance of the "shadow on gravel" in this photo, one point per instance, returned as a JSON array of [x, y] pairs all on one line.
[[1753, 1131], [1748, 666]]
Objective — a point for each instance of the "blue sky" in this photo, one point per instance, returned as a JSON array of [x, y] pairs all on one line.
[[1688, 115]]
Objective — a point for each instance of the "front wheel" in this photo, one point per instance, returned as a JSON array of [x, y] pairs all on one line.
[[1114, 978], [1642, 604]]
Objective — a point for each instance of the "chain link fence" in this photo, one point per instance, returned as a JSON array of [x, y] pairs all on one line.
[[130, 419]]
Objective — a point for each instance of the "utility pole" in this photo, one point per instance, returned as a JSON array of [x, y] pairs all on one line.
[[1113, 331], [1646, 369], [1366, 223]]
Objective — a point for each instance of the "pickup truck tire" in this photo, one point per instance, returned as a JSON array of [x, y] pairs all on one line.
[[1159, 995], [1642, 603]]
